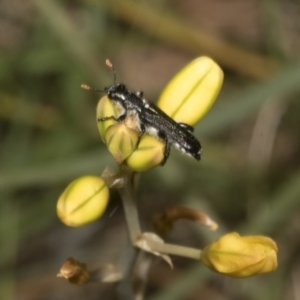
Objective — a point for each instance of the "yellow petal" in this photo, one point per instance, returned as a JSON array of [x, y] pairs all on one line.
[[105, 108], [263, 240], [121, 141], [149, 154], [192, 92], [83, 201]]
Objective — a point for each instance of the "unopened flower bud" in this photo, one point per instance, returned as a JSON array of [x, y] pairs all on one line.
[[83, 201], [191, 93], [237, 256], [74, 271]]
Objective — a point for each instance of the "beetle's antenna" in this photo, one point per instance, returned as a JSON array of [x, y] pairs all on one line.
[[111, 66], [86, 87]]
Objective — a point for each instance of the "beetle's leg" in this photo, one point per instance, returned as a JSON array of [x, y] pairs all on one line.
[[141, 132], [120, 118], [107, 118], [187, 127], [167, 147], [166, 152]]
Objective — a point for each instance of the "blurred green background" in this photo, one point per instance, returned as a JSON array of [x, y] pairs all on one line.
[[248, 179]]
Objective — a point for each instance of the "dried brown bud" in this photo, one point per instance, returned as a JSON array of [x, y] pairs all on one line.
[[163, 223], [74, 271]]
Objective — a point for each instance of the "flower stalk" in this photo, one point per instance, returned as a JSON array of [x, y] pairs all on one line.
[[172, 249], [127, 194]]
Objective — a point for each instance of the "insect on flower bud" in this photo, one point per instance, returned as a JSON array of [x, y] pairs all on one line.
[[237, 256], [83, 201], [184, 101]]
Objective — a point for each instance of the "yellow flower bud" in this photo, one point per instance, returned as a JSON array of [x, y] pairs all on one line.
[[121, 141], [105, 108], [191, 93], [237, 256], [83, 201], [149, 154]]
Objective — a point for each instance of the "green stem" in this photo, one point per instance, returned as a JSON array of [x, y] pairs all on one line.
[[126, 265], [128, 257], [174, 249], [127, 194]]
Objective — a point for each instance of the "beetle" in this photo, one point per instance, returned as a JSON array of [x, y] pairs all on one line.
[[150, 119]]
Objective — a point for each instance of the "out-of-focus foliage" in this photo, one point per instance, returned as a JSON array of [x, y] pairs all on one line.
[[248, 178]]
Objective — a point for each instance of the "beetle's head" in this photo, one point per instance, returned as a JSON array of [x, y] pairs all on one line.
[[115, 91]]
